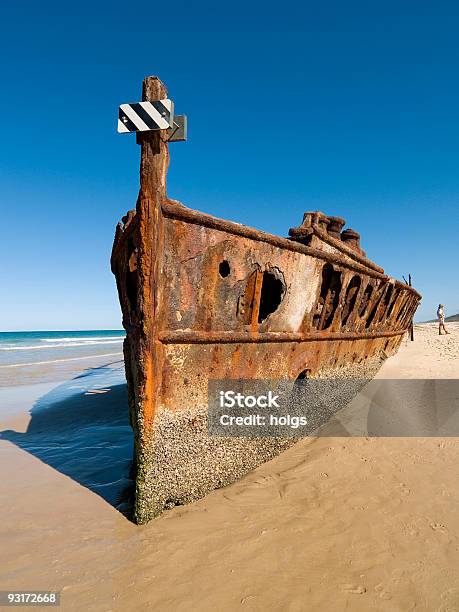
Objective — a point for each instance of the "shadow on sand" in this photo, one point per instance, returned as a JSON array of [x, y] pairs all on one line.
[[81, 429]]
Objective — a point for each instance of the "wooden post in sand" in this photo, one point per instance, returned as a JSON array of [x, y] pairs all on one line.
[[144, 345], [411, 326]]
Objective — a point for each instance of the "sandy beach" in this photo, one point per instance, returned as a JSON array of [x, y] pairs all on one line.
[[334, 523]]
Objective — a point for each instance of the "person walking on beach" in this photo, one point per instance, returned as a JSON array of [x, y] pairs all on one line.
[[441, 319]]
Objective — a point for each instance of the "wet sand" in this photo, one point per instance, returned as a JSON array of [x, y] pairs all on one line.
[[334, 523]]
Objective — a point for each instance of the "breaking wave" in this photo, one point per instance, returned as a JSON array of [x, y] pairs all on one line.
[[59, 344], [81, 339], [34, 363]]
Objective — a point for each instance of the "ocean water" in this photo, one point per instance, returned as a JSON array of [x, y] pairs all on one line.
[[63, 399], [39, 356]]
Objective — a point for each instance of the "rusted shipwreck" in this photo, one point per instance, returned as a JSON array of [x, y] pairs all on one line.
[[204, 298]]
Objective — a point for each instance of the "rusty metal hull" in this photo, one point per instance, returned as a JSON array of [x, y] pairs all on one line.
[[204, 298]]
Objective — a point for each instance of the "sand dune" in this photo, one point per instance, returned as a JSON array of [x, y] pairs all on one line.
[[334, 523]]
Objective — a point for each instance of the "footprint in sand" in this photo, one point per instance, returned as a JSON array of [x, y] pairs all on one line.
[[439, 527], [450, 600], [379, 588], [271, 481], [356, 589], [252, 495], [404, 489]]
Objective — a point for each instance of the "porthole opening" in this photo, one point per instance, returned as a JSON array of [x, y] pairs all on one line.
[[272, 292], [224, 268]]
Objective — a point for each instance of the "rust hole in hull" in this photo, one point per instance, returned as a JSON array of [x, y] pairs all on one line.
[[329, 297], [351, 297], [272, 292], [224, 268]]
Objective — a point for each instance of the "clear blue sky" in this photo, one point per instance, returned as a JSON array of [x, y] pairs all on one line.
[[347, 107]]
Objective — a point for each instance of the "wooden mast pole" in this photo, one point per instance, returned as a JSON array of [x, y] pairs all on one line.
[[154, 162]]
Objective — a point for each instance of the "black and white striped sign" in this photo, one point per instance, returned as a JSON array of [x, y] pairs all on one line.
[[146, 116]]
